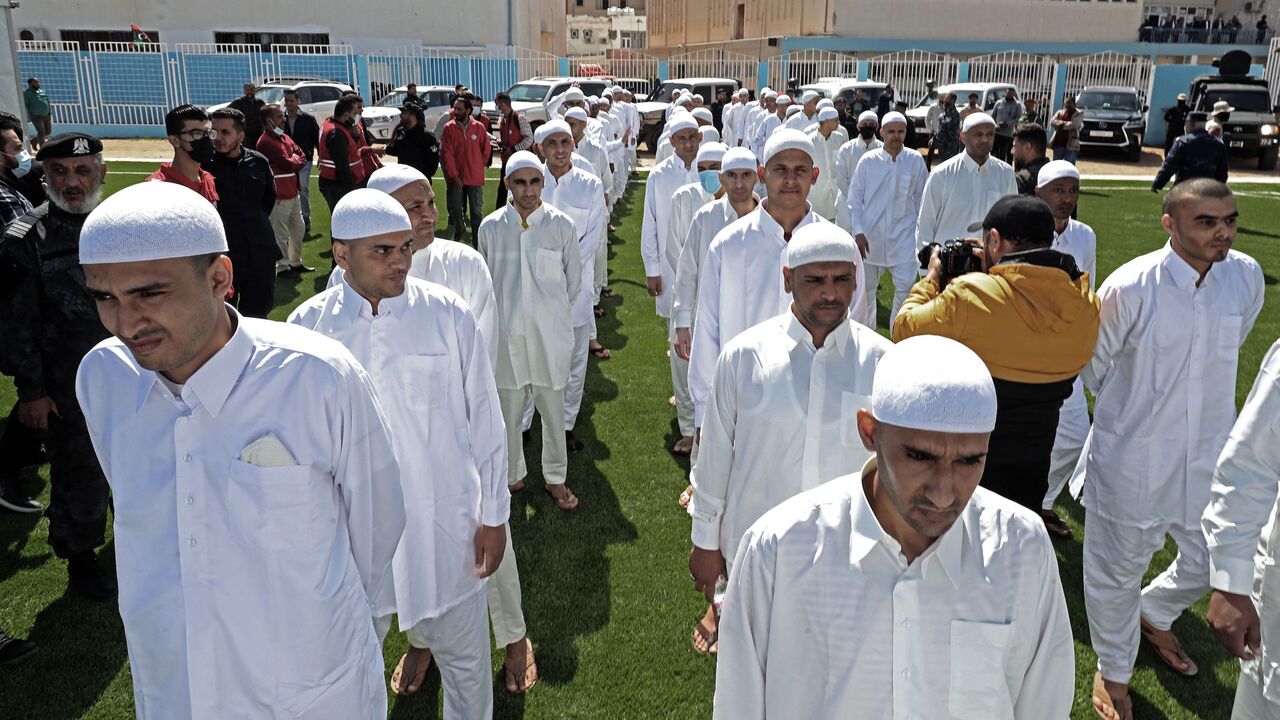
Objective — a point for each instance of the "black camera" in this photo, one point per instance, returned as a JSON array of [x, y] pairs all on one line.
[[957, 258]]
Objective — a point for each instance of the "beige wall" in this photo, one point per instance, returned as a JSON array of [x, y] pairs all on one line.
[[676, 23], [592, 7]]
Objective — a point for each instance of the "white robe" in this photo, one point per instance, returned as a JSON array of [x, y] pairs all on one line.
[[581, 197], [707, 222], [822, 196], [958, 194], [884, 203], [846, 162], [660, 187], [688, 200]]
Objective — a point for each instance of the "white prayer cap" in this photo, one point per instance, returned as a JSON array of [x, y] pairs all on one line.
[[826, 103], [820, 242], [787, 139], [976, 119], [784, 99], [893, 117], [698, 97], [608, 92], [606, 99], [683, 121], [523, 160], [869, 115], [793, 110], [738, 158], [364, 212], [702, 114], [1056, 170], [546, 130], [709, 134], [743, 92], [767, 89], [929, 382], [577, 113], [828, 113], [711, 152], [684, 100], [767, 94], [574, 93], [151, 221], [593, 100], [809, 96], [390, 178]]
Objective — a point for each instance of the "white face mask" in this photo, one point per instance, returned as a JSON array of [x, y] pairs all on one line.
[[278, 130]]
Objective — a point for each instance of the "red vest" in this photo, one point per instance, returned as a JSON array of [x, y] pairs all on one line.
[[509, 133], [327, 164]]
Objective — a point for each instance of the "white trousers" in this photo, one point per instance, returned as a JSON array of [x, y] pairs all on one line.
[[904, 276], [1115, 559], [502, 591], [1251, 704], [1073, 428], [459, 642], [550, 405], [577, 375], [601, 270], [680, 382]]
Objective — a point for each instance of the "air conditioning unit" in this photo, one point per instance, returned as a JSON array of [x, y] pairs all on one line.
[[773, 42], [36, 34], [1248, 7]]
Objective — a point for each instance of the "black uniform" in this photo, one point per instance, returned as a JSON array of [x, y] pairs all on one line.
[[49, 323], [246, 194], [415, 147], [252, 109], [1027, 176], [1175, 119], [1196, 154]]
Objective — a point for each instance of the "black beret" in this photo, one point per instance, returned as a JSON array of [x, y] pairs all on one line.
[[67, 145]]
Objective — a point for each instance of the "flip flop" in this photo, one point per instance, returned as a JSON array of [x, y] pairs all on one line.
[[421, 663], [1105, 705], [567, 504], [686, 497], [710, 638], [607, 292], [1169, 649], [519, 681]]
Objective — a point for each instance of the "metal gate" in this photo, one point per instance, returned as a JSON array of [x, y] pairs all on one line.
[[133, 83], [390, 69], [1035, 75], [65, 75], [335, 63], [1109, 68], [715, 64], [497, 69], [213, 73], [910, 70], [807, 66], [1272, 73]]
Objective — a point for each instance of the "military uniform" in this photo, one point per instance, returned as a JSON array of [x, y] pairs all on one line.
[[1196, 154]]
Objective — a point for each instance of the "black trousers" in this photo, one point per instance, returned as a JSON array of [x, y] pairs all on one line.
[[78, 489], [1003, 147], [19, 448], [464, 201], [502, 188], [333, 191], [1021, 446], [254, 277]]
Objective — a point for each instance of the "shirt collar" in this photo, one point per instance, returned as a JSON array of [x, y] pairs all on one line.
[[213, 382], [351, 305], [1183, 275], [972, 165], [534, 217], [797, 331], [771, 227]]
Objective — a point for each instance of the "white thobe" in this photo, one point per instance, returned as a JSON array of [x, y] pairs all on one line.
[[822, 196], [782, 419], [958, 194], [800, 121], [846, 162], [660, 187], [249, 590], [825, 618], [593, 149], [665, 150], [581, 197], [883, 204], [1242, 529], [727, 122], [686, 202], [707, 222], [746, 124], [740, 284], [764, 130], [536, 274]]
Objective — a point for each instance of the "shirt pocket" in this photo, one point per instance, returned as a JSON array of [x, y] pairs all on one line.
[[850, 404], [1229, 339], [427, 378], [979, 690], [547, 265], [272, 503]]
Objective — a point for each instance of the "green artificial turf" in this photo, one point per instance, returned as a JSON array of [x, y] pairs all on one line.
[[607, 595]]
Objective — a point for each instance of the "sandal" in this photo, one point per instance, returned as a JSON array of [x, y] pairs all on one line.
[[607, 291], [601, 353], [568, 503], [1107, 707], [709, 638], [418, 668], [1169, 649], [686, 497], [521, 680], [515, 487]]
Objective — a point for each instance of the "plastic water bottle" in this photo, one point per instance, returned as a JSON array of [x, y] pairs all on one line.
[[717, 598]]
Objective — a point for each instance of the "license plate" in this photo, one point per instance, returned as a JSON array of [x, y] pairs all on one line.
[[1102, 133], [1237, 143]]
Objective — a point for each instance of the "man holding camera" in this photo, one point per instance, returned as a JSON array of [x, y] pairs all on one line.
[[1031, 316]]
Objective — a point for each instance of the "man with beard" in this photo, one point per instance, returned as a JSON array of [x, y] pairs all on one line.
[[50, 322]]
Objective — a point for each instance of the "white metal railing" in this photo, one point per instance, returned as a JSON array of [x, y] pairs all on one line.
[[1035, 76], [715, 63], [1109, 68], [807, 66], [909, 71]]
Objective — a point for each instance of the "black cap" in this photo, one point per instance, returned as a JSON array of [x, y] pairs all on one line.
[[1197, 117], [1023, 217], [68, 145]]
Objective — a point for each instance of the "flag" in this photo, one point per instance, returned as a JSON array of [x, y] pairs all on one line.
[[140, 38]]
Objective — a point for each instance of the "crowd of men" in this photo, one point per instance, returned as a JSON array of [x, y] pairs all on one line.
[[871, 519]]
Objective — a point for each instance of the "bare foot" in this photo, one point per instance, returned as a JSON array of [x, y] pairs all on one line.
[[686, 497], [411, 671], [683, 446], [520, 667]]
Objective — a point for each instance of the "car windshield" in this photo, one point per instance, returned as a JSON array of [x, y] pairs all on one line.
[[871, 95], [1242, 100], [270, 94], [1105, 100], [666, 91], [393, 99], [527, 92]]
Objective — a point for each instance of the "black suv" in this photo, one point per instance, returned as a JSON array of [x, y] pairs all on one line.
[[1114, 117], [1252, 128]]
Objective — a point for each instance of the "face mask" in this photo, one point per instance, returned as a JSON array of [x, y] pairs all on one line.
[[710, 180], [23, 158], [278, 130], [356, 120], [201, 150], [867, 132]]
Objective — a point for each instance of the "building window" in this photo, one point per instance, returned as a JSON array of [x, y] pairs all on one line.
[[267, 40], [84, 37], [604, 4], [588, 36], [573, 34], [578, 3]]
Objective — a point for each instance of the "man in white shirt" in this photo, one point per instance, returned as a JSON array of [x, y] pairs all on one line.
[[430, 368], [590, 147], [1059, 185], [904, 590], [782, 412], [532, 252], [1163, 373], [1240, 526], [257, 497], [847, 161], [660, 272], [884, 202], [807, 113], [771, 122], [826, 144], [740, 281], [961, 191], [581, 197]]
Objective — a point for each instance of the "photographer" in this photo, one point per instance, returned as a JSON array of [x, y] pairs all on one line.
[[1032, 319]]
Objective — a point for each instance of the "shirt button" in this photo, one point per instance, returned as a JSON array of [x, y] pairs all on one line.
[[192, 541], [188, 457], [906, 674], [191, 500], [906, 624]]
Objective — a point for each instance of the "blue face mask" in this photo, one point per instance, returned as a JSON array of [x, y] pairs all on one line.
[[23, 158], [710, 180]]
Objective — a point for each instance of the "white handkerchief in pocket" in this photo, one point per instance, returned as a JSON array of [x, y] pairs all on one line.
[[267, 451]]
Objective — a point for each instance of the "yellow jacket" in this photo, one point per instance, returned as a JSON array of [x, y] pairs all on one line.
[[1028, 323]]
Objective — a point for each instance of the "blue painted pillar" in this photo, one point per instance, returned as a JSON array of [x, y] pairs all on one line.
[[664, 70], [962, 72], [564, 67], [464, 71], [362, 78], [864, 69], [762, 76]]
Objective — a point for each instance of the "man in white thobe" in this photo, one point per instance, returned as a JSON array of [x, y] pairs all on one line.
[[806, 112], [1240, 526], [581, 197], [961, 191], [826, 144], [660, 272], [429, 365], [532, 252], [591, 148], [257, 497], [740, 280], [847, 161], [1164, 375], [781, 415], [770, 123], [1059, 185], [904, 590], [884, 202]]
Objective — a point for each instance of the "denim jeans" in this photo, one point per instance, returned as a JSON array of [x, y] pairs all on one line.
[[463, 200], [1061, 153]]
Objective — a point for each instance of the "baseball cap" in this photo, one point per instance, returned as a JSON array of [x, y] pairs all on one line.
[[1024, 217]]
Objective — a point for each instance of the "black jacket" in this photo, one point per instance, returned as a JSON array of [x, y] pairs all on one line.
[[1196, 154], [305, 132], [1175, 118], [1028, 175], [246, 195], [252, 109], [416, 148]]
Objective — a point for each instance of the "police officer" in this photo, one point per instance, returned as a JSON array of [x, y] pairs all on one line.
[[49, 323], [1196, 154], [1175, 118]]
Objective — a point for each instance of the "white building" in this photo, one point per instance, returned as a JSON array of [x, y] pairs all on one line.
[[620, 29]]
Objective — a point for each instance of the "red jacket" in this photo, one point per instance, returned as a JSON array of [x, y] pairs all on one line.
[[465, 152], [205, 186], [286, 160]]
